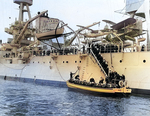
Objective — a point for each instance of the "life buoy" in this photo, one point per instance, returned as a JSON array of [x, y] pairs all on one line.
[[121, 83]]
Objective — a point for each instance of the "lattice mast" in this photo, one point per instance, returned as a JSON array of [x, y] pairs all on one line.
[[22, 5]]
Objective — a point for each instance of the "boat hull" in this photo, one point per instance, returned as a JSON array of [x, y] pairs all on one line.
[[99, 90], [50, 34]]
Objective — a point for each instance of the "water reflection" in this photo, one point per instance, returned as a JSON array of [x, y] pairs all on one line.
[[22, 99]]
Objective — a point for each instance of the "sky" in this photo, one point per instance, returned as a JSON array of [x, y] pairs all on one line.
[[72, 12]]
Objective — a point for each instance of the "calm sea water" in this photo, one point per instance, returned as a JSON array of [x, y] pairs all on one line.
[[25, 99]]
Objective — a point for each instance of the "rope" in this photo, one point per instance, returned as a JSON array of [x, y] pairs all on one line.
[[16, 69], [24, 67], [11, 67], [59, 72]]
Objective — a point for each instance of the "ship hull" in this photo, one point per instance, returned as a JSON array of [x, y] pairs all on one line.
[[43, 70], [48, 70]]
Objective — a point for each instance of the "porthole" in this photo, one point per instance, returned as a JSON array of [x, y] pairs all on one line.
[[144, 61], [120, 61], [63, 61], [66, 61], [49, 61], [80, 61], [75, 61]]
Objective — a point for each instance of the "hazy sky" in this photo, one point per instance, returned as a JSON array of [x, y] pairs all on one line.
[[72, 12]]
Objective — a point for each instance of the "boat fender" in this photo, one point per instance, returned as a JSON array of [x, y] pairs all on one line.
[[125, 83], [121, 83], [104, 85], [109, 85]]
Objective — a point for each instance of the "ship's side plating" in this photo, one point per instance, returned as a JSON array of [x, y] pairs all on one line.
[[45, 68], [135, 66], [56, 68]]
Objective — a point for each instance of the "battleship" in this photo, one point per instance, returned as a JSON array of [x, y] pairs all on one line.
[[112, 52]]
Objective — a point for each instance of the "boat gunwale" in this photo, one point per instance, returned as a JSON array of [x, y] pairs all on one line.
[[100, 90]]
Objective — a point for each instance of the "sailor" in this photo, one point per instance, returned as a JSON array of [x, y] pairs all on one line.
[[102, 48], [116, 48], [34, 52], [107, 80], [89, 44], [112, 48], [143, 46], [76, 51], [106, 70], [77, 77], [44, 53], [120, 48], [6, 55], [40, 53], [83, 49], [101, 81], [123, 77], [92, 80], [4, 77], [71, 75]]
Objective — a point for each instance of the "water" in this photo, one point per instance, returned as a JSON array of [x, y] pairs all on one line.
[[26, 99]]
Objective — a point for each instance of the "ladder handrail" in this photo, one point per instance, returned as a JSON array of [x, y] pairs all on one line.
[[98, 62]]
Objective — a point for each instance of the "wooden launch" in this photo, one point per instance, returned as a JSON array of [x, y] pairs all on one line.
[[123, 90], [50, 34]]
